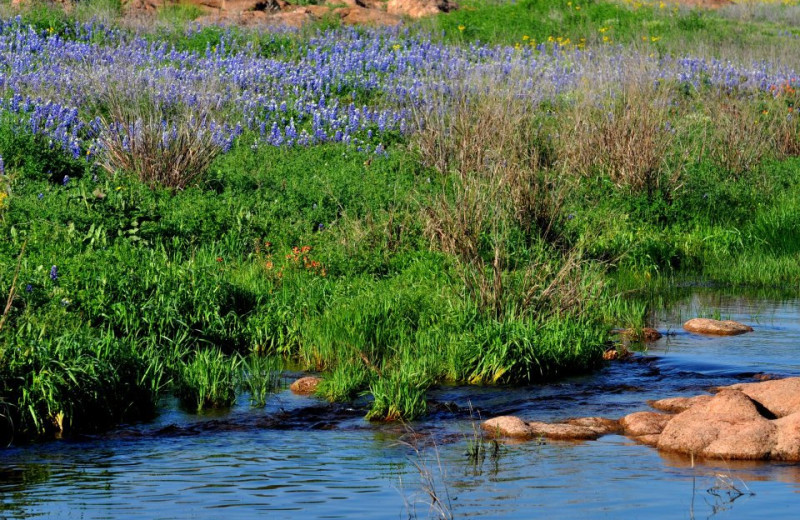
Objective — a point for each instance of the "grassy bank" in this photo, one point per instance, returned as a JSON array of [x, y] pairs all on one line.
[[391, 211]]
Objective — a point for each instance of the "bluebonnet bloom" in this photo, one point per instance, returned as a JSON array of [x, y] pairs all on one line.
[[40, 196], [54, 273], [311, 98], [29, 288], [65, 180]]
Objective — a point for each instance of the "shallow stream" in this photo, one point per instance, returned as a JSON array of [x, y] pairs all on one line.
[[302, 458]]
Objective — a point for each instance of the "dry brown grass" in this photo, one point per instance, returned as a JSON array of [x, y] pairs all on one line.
[[140, 141], [492, 154], [741, 136], [626, 139]]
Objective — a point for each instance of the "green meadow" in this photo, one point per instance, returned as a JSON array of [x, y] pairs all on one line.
[[498, 243]]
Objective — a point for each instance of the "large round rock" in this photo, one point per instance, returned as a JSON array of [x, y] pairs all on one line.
[[716, 327], [507, 426], [728, 426]]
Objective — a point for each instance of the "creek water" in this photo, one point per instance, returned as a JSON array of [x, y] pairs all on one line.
[[301, 458]]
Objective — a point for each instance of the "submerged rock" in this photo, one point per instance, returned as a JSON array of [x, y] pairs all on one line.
[[305, 385], [716, 327], [646, 335], [617, 354], [600, 425], [586, 428], [764, 377]]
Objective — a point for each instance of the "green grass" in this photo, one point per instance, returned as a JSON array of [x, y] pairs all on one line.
[[314, 255], [260, 376], [378, 273], [208, 380], [603, 22]]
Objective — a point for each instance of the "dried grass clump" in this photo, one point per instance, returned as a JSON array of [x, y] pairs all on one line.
[[494, 153], [742, 137], [626, 138], [498, 148], [162, 149]]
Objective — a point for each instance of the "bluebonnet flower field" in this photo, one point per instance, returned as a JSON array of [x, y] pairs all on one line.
[[392, 208]]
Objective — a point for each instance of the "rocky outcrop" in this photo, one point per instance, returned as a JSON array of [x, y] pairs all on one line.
[[639, 424], [781, 397], [305, 385], [746, 421], [728, 426], [280, 12], [716, 327], [644, 427], [678, 404], [366, 16], [419, 8]]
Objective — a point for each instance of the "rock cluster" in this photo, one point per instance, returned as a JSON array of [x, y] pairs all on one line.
[[746, 421], [281, 12], [586, 428]]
